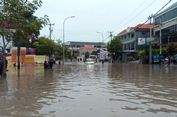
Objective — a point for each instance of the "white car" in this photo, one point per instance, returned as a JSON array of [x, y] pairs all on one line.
[[90, 61]]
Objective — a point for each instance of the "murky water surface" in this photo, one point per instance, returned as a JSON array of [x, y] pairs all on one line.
[[120, 90]]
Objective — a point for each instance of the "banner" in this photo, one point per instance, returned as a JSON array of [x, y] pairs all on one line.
[[30, 59], [102, 55], [31, 51], [14, 54], [22, 54], [141, 41]]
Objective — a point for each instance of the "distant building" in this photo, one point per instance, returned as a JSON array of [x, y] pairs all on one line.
[[80, 48], [87, 48], [134, 39], [77, 44], [166, 23]]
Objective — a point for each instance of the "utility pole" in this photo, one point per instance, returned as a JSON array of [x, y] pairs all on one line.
[[110, 35], [150, 46], [160, 37], [50, 29]]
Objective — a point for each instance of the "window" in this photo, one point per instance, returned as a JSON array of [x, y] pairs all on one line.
[[132, 35], [167, 16]]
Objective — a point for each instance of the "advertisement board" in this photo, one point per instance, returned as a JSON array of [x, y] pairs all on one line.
[[14, 54], [141, 41], [22, 54]]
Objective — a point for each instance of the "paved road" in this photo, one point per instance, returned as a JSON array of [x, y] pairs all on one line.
[[119, 90]]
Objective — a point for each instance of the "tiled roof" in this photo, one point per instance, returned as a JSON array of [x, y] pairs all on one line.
[[138, 27], [88, 47], [126, 31], [143, 26]]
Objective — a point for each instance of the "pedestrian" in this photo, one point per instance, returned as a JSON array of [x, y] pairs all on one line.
[[51, 63], [102, 62], [169, 60], [46, 65], [14, 64]]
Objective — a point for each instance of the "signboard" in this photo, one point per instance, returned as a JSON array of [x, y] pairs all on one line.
[[22, 54], [31, 51], [141, 41], [102, 55], [14, 54], [30, 59]]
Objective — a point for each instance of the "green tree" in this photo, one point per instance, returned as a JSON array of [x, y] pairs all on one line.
[[19, 15], [142, 53], [58, 52], [114, 47], [68, 53], [45, 46], [172, 49]]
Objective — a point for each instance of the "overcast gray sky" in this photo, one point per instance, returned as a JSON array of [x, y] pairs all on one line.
[[94, 16]]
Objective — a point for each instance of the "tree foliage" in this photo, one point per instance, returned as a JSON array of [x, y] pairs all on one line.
[[142, 53], [45, 46], [114, 46], [172, 49], [19, 15]]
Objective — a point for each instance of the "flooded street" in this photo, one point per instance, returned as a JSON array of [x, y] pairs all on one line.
[[110, 90]]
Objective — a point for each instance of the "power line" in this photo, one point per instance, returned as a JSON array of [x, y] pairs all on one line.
[[156, 13], [143, 10], [50, 29], [110, 34], [53, 36], [162, 7], [106, 38], [133, 11]]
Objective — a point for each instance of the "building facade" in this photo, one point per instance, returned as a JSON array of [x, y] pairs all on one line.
[[165, 29], [131, 40], [77, 44], [80, 48]]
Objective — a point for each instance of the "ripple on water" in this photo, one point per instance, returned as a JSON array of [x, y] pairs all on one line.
[[112, 90]]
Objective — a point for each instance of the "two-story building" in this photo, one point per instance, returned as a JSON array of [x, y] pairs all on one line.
[[130, 39]]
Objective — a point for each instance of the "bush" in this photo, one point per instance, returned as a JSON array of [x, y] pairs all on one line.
[[141, 53]]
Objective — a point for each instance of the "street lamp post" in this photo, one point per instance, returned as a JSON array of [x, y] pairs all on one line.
[[64, 36]]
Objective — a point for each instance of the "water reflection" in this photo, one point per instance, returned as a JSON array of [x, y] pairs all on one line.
[[107, 90], [144, 88]]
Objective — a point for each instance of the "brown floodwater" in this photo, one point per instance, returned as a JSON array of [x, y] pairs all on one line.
[[109, 90]]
